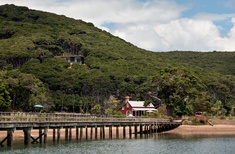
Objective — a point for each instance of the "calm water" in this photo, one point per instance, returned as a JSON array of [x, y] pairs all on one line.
[[156, 144]]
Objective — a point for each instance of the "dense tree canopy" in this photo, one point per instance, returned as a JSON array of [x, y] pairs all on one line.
[[177, 88], [22, 91], [5, 100], [33, 70]]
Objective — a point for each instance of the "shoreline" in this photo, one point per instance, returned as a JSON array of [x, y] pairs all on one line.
[[183, 130], [187, 130]]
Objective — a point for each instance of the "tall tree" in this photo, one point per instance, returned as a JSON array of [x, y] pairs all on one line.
[[177, 88], [25, 90], [5, 99]]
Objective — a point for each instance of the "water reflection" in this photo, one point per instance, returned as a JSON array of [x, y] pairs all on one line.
[[188, 136], [148, 144]]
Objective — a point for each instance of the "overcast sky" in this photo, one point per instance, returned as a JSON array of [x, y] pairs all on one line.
[[156, 25]]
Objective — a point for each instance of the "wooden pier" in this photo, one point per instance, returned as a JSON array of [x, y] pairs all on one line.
[[84, 126]]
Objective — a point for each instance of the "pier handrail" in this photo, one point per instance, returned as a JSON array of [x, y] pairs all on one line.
[[11, 121], [10, 117]]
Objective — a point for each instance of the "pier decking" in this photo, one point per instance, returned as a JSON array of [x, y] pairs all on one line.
[[43, 122]]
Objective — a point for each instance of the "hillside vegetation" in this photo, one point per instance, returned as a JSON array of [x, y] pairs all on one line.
[[223, 62], [33, 71]]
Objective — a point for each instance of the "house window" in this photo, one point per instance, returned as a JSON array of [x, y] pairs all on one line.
[[127, 105], [72, 59], [122, 108]]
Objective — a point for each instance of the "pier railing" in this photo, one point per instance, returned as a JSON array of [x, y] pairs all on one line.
[[10, 117], [84, 125]]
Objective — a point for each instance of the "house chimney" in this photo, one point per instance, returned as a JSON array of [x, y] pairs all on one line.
[[127, 98]]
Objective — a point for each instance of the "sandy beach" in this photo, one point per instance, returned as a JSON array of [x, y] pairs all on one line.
[[204, 130]]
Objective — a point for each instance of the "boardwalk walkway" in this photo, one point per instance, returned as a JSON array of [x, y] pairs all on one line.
[[10, 122]]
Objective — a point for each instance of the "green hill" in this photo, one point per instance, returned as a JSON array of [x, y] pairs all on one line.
[[33, 47], [223, 62]]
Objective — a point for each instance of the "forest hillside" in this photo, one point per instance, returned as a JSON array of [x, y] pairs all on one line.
[[70, 65]]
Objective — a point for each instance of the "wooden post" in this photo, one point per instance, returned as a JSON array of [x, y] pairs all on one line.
[[150, 129], [40, 135], [66, 134], [141, 131], [86, 132], [101, 132], [70, 134], [58, 135], [96, 132], [27, 135], [76, 133], [91, 132], [145, 130], [154, 127], [135, 131], [117, 132], [160, 128], [130, 133], [124, 132], [53, 134], [110, 132], [45, 134], [10, 137], [81, 128]]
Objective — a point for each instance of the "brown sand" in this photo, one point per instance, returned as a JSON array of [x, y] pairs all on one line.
[[204, 130]]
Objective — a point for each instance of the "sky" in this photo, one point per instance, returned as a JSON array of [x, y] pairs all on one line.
[[155, 25]]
